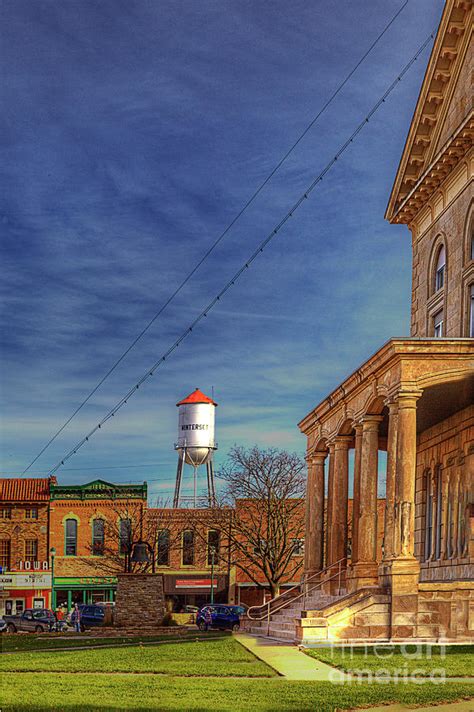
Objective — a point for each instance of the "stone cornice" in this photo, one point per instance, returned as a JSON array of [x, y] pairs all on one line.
[[447, 56], [392, 352], [446, 160]]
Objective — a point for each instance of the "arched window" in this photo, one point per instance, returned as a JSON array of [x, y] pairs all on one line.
[[439, 511], [188, 548], [125, 536], [471, 311], [213, 542], [98, 537], [71, 537], [440, 269], [163, 554], [428, 514]]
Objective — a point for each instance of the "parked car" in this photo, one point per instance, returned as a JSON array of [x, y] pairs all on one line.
[[191, 609], [239, 608], [91, 616], [38, 620], [3, 625], [222, 617]]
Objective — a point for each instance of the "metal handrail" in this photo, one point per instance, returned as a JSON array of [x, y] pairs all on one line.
[[304, 583]]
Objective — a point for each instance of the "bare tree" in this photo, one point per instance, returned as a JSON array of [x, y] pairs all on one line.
[[264, 490]]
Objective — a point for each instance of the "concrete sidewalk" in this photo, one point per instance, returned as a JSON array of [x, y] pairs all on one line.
[[467, 706], [289, 661]]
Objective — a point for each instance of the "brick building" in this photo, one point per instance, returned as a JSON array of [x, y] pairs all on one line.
[[85, 526], [25, 578]]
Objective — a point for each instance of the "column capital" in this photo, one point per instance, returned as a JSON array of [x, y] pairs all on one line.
[[371, 422], [316, 458], [342, 442], [408, 398], [391, 403]]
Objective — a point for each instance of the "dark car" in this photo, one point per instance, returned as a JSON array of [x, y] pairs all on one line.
[[91, 615], [3, 625], [218, 616], [37, 620], [239, 608]]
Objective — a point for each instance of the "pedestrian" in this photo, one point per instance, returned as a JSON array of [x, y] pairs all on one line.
[[76, 618], [207, 617]]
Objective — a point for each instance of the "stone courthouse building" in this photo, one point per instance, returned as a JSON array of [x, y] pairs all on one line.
[[414, 399]]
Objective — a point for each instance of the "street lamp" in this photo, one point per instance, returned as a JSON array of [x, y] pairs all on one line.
[[52, 551], [212, 551]]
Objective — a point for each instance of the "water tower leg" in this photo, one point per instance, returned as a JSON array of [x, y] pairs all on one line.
[[179, 474], [210, 483]]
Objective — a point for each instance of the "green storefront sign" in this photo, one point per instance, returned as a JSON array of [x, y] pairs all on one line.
[[80, 582]]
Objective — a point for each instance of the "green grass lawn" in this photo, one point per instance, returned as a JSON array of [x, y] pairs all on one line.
[[36, 692], [20, 642], [218, 674], [223, 657], [455, 660]]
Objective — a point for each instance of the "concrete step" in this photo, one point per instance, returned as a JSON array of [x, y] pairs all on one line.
[[281, 634]]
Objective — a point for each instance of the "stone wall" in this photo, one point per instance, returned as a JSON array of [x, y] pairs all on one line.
[[446, 611], [452, 229], [140, 598]]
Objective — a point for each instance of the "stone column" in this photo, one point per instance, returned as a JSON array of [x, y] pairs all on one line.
[[356, 496], [330, 496], [389, 526], [314, 537], [403, 571], [340, 496], [364, 572], [406, 473]]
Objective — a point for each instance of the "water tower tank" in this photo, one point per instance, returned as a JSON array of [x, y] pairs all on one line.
[[196, 428]]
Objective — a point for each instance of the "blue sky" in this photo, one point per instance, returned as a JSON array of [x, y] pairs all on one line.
[[132, 131]]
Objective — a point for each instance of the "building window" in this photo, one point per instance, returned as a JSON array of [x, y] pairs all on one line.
[[98, 537], [71, 537], [438, 325], [31, 513], [125, 536], [260, 547], [439, 512], [188, 548], [471, 311], [5, 513], [440, 269], [31, 550], [213, 543], [450, 526], [298, 547], [163, 554], [5, 554], [428, 514]]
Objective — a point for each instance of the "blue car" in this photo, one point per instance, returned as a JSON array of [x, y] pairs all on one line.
[[216, 616]]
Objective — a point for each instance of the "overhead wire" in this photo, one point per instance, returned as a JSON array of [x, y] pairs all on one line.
[[219, 238], [231, 282]]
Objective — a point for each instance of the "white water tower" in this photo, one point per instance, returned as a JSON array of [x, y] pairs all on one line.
[[196, 445]]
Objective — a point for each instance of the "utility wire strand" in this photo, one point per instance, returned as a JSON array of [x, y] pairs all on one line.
[[304, 196], [219, 239]]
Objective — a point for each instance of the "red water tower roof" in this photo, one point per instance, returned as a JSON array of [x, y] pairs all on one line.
[[196, 396]]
